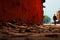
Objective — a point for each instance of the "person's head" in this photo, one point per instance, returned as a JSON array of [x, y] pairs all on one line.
[[58, 15]]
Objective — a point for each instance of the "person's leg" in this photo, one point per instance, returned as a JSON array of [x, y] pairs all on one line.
[[55, 22]]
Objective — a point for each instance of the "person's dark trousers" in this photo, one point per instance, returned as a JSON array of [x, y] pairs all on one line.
[[55, 22]]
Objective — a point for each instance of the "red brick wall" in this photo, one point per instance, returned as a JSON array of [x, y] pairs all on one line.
[[28, 10]]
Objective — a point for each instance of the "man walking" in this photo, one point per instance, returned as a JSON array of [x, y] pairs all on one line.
[[54, 19]]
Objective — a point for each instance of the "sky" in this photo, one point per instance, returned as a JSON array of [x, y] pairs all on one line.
[[52, 6]]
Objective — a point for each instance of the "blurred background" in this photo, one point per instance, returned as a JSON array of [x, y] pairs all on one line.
[[51, 7]]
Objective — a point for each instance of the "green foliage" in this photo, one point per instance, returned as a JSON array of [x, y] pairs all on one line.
[[46, 19]]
